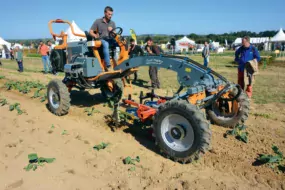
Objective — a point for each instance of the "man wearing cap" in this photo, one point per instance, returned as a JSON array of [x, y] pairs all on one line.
[[135, 50], [246, 56], [152, 50], [100, 29]]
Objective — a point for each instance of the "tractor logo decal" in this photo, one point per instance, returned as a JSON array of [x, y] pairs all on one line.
[[154, 61], [188, 70]]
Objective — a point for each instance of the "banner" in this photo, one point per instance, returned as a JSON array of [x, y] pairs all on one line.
[[133, 35]]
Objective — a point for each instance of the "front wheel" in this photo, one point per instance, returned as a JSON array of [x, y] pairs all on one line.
[[229, 113], [181, 131], [113, 89], [58, 97]]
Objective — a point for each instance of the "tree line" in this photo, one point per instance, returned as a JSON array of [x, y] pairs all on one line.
[[230, 37], [162, 38]]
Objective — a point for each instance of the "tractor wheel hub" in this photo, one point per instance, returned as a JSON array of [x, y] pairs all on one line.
[[178, 132]]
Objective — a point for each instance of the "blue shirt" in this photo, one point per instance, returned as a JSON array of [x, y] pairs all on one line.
[[243, 55]]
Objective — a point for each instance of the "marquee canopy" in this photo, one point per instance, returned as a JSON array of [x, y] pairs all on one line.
[[71, 37], [279, 37]]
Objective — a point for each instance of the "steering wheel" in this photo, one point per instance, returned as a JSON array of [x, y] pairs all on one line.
[[115, 31]]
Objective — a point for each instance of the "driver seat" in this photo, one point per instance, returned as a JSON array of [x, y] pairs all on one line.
[[90, 49]]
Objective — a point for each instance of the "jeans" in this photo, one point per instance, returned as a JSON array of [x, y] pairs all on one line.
[[46, 63], [20, 65], [106, 43], [206, 61]]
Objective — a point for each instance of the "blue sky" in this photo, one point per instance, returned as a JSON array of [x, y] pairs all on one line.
[[29, 18]]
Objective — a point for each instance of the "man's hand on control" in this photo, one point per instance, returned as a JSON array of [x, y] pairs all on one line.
[[110, 29]]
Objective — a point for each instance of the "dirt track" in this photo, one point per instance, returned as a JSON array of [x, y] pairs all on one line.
[[227, 166]]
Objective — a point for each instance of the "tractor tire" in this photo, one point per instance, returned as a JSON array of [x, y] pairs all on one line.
[[117, 93], [58, 97], [239, 116], [55, 60], [181, 131]]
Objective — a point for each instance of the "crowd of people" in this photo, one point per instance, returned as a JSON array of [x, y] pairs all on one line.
[[43, 49]]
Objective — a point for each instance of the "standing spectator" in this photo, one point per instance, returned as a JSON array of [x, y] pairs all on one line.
[[19, 59], [51, 47], [206, 54], [152, 50], [135, 50], [11, 54], [7, 52], [43, 50], [244, 55]]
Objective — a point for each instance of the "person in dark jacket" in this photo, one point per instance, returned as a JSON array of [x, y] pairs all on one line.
[[135, 50], [243, 55], [152, 50]]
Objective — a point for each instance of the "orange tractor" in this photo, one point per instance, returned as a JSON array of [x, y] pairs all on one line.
[[181, 131]]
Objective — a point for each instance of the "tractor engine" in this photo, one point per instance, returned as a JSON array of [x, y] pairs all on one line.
[[79, 61]]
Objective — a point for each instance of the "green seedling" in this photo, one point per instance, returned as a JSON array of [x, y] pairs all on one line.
[[3, 102], [25, 90], [101, 146], [43, 98], [16, 106], [264, 115], [2, 77], [52, 126], [129, 160], [37, 94], [272, 160], [35, 161], [110, 104], [64, 132], [239, 133], [132, 169], [13, 85], [91, 111]]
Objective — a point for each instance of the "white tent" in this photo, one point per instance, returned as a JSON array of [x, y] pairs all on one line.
[[77, 30], [183, 43], [279, 37], [256, 40], [215, 44], [17, 45], [6, 47], [253, 40]]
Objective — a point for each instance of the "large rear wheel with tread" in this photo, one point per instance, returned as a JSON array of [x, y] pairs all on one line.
[[229, 113], [58, 97], [181, 131]]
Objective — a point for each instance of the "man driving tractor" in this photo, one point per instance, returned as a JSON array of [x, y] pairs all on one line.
[[100, 29]]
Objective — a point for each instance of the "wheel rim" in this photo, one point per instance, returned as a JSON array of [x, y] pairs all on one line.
[[231, 110], [177, 132], [54, 98]]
